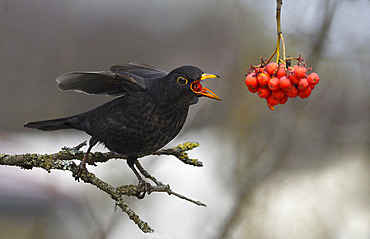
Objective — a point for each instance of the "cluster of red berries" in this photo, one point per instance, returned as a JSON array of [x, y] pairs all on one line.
[[276, 83]]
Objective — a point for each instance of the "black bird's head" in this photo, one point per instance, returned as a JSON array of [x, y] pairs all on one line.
[[183, 83]]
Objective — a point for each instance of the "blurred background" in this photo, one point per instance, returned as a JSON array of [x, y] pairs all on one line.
[[301, 171]]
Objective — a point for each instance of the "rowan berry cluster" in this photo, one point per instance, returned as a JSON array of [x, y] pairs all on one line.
[[276, 83]]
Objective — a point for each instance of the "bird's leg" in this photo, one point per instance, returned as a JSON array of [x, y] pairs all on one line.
[[143, 186], [82, 165]]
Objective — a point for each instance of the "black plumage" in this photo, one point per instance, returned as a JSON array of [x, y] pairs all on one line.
[[150, 111]]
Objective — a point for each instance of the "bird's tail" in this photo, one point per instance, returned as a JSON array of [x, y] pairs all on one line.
[[49, 125]]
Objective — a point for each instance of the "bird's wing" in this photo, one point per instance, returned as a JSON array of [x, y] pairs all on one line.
[[102, 82], [139, 69]]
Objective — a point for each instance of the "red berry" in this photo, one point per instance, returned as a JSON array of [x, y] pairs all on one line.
[[283, 100], [251, 81], [285, 84], [303, 84], [263, 92], [304, 93], [299, 71], [273, 83], [278, 94], [197, 86], [313, 78], [272, 101], [292, 93], [272, 67], [278, 82], [252, 89], [281, 71], [270, 106], [263, 79], [293, 79]]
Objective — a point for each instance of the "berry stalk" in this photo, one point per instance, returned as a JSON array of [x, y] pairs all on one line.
[[280, 37]]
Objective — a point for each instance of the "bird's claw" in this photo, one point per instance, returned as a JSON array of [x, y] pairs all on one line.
[[142, 188], [77, 173]]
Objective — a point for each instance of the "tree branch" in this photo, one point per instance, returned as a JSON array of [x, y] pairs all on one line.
[[63, 161]]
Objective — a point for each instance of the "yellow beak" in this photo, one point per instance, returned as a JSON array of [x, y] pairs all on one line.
[[203, 91]]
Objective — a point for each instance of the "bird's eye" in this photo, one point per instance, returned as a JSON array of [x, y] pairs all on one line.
[[182, 81]]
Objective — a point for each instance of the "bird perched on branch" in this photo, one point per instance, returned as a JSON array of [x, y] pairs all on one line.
[[150, 112]]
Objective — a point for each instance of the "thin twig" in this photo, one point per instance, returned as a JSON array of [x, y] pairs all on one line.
[[272, 55], [168, 189], [279, 33], [283, 43], [180, 152]]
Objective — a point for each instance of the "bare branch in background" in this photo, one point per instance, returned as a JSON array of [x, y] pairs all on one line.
[[318, 44]]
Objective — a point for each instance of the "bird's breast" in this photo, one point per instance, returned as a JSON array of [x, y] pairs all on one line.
[[138, 127]]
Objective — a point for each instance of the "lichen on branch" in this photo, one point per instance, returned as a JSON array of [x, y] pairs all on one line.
[[62, 160]]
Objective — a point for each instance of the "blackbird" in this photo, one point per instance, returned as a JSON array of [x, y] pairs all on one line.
[[150, 112]]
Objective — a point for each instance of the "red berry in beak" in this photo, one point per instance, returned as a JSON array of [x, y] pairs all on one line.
[[197, 87]]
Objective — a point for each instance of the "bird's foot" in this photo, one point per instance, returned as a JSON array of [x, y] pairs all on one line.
[[79, 169], [142, 188]]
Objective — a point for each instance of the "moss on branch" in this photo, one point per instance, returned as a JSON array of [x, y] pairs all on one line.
[[62, 160]]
